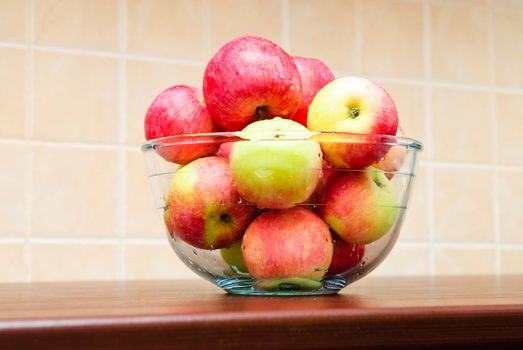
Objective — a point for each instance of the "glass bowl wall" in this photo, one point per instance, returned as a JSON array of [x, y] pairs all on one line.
[[210, 264]]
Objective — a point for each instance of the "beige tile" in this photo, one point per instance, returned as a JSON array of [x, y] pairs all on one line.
[[12, 99], [73, 262], [142, 218], [463, 204], [465, 261], [404, 261], [410, 103], [462, 3], [77, 23], [459, 42], [13, 16], [508, 39], [231, 18], [12, 260], [461, 126], [512, 261], [75, 98], [509, 116], [510, 202], [325, 30], [416, 227], [13, 189], [74, 192], [148, 261], [145, 81], [172, 28], [392, 45]]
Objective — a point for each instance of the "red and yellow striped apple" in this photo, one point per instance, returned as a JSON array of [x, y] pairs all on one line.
[[248, 79], [203, 205], [179, 110], [353, 105], [345, 256], [314, 75], [359, 205], [393, 160], [288, 243]]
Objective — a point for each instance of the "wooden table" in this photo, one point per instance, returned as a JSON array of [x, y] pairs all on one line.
[[375, 313]]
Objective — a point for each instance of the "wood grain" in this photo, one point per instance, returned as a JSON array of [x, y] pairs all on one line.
[[375, 313]]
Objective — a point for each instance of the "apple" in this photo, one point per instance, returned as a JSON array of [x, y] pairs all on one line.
[[314, 75], [393, 160], [179, 110], [275, 169], [233, 257], [345, 256], [248, 79], [353, 105], [224, 149], [203, 205], [360, 206], [287, 246]]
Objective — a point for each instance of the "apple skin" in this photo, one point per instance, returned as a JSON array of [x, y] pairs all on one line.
[[393, 160], [314, 74], [354, 105], [248, 79], [233, 257], [287, 243], [203, 205], [275, 174], [179, 110], [360, 206], [224, 150], [345, 256]]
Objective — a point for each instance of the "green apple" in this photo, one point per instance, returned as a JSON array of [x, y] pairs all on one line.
[[277, 166], [233, 257]]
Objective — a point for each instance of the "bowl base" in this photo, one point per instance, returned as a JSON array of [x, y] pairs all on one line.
[[281, 287]]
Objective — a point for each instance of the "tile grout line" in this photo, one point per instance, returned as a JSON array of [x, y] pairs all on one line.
[[428, 134], [29, 131], [102, 54], [121, 162], [286, 38], [207, 28], [493, 136], [358, 37], [515, 90]]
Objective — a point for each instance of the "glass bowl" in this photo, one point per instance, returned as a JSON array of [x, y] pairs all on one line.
[[281, 213]]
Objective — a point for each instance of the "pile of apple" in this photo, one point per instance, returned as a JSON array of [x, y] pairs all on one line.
[[279, 203]]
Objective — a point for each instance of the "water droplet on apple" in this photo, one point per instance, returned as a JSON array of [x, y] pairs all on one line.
[[263, 173]]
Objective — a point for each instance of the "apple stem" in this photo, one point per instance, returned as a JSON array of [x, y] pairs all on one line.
[[261, 112], [225, 218], [354, 112]]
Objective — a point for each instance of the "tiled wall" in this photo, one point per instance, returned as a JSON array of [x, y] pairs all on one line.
[[76, 77]]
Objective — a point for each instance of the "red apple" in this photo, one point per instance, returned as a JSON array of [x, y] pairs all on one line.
[[179, 110], [314, 75], [287, 243], [203, 206], [353, 105], [360, 206], [345, 256], [248, 79], [224, 150], [393, 160]]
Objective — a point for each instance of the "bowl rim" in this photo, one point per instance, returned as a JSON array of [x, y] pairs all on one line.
[[391, 140]]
